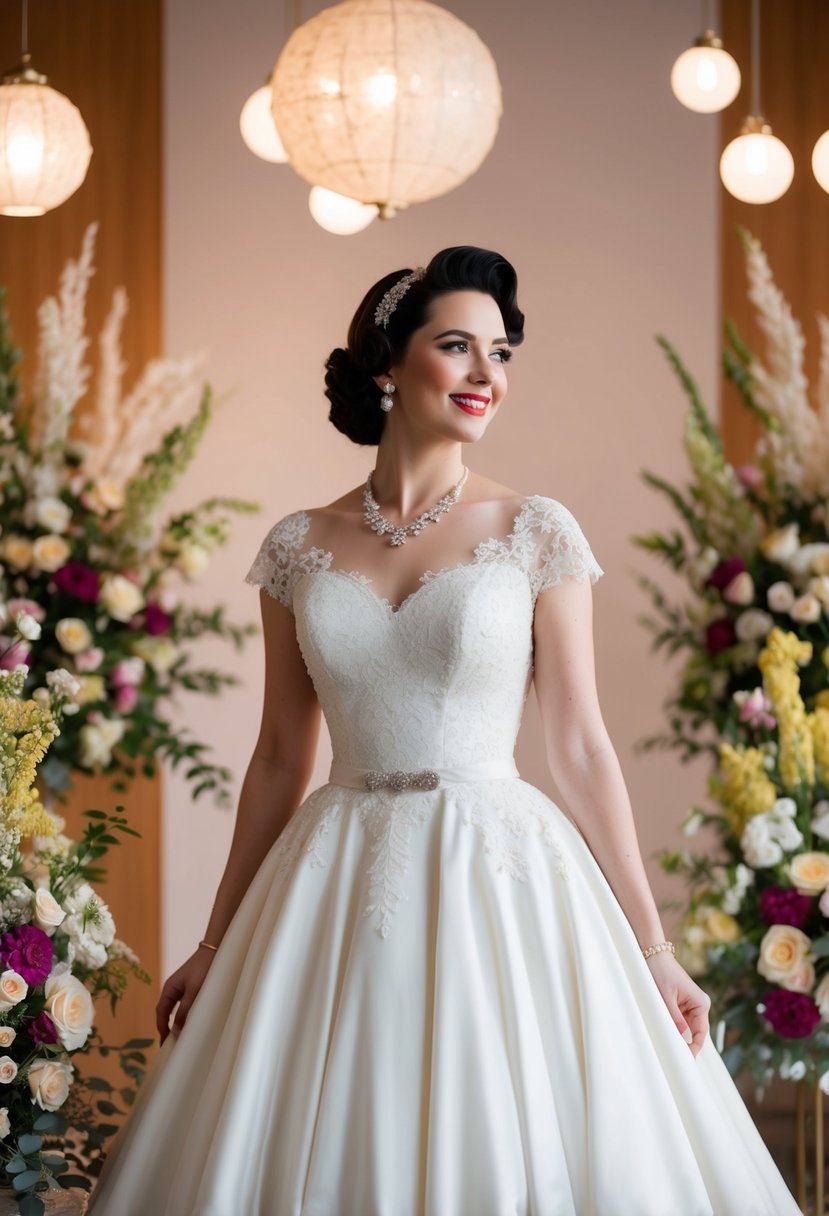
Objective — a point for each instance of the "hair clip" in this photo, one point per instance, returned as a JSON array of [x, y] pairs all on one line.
[[394, 295]]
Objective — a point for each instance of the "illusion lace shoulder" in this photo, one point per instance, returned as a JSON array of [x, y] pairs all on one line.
[[546, 543]]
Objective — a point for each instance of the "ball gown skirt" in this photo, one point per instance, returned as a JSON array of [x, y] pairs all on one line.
[[429, 1001]]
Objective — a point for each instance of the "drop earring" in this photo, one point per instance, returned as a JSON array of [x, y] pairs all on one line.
[[385, 401]]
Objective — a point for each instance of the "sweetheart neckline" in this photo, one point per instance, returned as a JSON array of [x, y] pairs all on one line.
[[505, 544]]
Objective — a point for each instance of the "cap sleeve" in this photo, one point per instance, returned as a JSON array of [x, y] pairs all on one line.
[[562, 551], [282, 558]]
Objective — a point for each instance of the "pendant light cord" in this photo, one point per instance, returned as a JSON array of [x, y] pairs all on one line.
[[755, 58], [24, 29]]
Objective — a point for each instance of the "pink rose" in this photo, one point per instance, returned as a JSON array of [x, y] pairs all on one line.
[[23, 605], [126, 699], [750, 476], [89, 660], [11, 655], [128, 672]]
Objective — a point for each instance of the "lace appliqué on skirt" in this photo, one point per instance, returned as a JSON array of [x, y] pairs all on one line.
[[389, 818]]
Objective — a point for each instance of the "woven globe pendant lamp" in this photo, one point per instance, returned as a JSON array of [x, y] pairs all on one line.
[[389, 102]]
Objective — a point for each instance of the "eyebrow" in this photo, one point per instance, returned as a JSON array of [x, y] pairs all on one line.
[[471, 337]]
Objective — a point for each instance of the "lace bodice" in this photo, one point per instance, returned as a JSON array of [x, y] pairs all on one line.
[[443, 678]]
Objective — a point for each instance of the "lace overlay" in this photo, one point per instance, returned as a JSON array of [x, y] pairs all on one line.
[[440, 681]]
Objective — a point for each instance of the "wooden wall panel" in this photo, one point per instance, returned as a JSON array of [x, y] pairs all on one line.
[[106, 57], [794, 230]]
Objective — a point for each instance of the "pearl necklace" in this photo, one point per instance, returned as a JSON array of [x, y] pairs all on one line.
[[378, 523]]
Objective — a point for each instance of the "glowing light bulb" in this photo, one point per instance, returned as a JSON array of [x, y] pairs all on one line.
[[258, 128], [338, 214], [820, 160], [705, 78], [382, 88], [756, 167]]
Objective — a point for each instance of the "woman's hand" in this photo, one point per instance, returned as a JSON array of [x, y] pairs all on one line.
[[182, 987], [687, 1003]]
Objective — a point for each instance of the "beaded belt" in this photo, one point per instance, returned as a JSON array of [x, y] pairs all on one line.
[[419, 779]]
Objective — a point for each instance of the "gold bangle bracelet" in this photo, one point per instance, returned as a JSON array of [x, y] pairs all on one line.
[[656, 949], [209, 947]]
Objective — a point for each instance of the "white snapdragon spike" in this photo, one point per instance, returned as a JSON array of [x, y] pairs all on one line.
[[103, 422], [62, 374], [63, 683]]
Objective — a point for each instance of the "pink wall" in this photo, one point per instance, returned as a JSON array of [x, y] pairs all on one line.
[[601, 189]]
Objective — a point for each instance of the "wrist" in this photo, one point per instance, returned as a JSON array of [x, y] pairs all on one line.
[[658, 948], [207, 945]]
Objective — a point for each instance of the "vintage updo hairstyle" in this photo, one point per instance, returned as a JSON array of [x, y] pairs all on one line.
[[372, 349]]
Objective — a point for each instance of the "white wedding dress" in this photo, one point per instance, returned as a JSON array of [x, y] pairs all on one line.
[[429, 1002]]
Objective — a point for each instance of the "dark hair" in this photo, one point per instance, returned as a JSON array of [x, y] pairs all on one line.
[[372, 349]]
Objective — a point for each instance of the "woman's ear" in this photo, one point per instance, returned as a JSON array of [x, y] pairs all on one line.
[[382, 381]]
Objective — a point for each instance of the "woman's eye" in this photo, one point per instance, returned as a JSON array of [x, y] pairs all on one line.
[[504, 354]]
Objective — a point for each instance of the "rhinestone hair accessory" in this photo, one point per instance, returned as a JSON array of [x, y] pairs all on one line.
[[394, 295]]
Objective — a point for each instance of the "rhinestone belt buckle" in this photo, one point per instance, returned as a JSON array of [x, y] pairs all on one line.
[[423, 779]]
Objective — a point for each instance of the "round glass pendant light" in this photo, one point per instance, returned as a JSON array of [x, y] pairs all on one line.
[[705, 78], [258, 128], [44, 144], [389, 102], [338, 214], [756, 167], [820, 160]]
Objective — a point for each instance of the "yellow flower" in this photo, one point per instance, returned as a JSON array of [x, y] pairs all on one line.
[[819, 723], [73, 635], [746, 788], [778, 661], [721, 927], [50, 552], [17, 551], [93, 688]]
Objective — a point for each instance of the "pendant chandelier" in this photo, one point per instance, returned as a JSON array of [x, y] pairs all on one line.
[[44, 144], [386, 102]]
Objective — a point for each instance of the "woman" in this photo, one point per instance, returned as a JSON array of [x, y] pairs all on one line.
[[425, 990]]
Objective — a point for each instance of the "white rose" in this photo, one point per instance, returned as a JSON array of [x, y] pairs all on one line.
[[48, 912], [783, 952], [809, 558], [753, 625], [52, 513], [120, 597], [49, 1082], [104, 496], [8, 1070], [50, 552], [69, 1005], [5, 1126], [13, 988], [740, 590], [27, 626], [782, 543], [73, 634], [192, 559], [806, 609], [97, 741], [7, 1036], [780, 597]]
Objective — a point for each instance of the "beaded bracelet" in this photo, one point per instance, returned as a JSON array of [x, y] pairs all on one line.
[[656, 949], [209, 947]]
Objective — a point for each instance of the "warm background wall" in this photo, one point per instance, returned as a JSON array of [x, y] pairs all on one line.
[[601, 189]]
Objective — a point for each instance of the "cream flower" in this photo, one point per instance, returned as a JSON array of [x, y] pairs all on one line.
[[91, 688], [8, 1070], [13, 988], [819, 588], [48, 913], [69, 1005], [809, 872], [821, 997], [159, 652], [17, 551], [104, 496], [49, 1082], [5, 1126], [783, 951], [806, 609], [7, 1036], [120, 597], [721, 927], [752, 625], [97, 739], [52, 513], [62, 682], [192, 559], [27, 626], [740, 590], [809, 559], [780, 596], [781, 544], [50, 552], [73, 634]]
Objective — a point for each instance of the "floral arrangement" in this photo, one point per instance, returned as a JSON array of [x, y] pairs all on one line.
[[86, 552], [753, 693], [58, 948]]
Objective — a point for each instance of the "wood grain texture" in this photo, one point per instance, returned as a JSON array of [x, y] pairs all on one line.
[[794, 230], [106, 57]]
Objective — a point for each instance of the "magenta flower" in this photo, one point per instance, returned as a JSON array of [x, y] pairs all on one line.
[[785, 906], [79, 580], [156, 620], [724, 572], [12, 653], [29, 952], [43, 1029], [793, 1015], [719, 634]]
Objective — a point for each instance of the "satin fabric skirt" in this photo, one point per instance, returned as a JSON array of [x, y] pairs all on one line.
[[502, 1051]]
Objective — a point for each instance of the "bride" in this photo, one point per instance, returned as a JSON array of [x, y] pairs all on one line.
[[425, 989]]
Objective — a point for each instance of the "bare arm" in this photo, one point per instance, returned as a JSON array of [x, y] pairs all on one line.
[[587, 771], [276, 779]]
